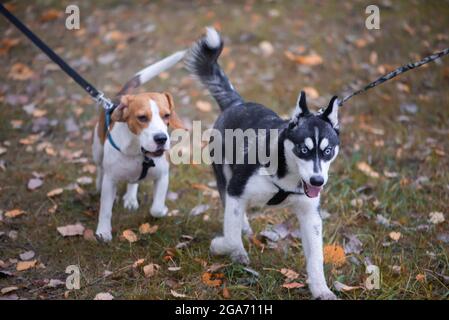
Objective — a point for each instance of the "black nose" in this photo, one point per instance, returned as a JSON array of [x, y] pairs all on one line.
[[160, 138], [317, 181]]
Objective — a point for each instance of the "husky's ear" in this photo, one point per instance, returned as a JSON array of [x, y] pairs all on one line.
[[120, 113], [330, 114], [300, 110]]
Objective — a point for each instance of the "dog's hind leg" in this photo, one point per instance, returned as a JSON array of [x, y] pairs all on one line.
[[97, 155], [312, 241], [231, 242], [130, 198]]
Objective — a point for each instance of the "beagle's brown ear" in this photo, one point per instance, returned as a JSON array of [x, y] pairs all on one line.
[[174, 121], [120, 114]]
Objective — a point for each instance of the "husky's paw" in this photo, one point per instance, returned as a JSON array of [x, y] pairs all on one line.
[[159, 212], [323, 294], [103, 235], [130, 202]]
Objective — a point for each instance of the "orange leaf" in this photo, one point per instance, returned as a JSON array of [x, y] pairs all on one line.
[[212, 279], [51, 14], [146, 228], [14, 213], [203, 106], [310, 60], [55, 192], [20, 72], [334, 254], [293, 285], [226, 293], [289, 274], [129, 235], [25, 265]]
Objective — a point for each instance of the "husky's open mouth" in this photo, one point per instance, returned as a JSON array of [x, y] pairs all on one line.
[[154, 154], [311, 191]]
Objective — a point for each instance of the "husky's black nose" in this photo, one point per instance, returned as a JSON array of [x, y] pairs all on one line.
[[316, 181], [160, 138]]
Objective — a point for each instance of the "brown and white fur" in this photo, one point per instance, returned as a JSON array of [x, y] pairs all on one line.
[[139, 124]]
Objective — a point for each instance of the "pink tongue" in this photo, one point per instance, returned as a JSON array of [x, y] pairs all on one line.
[[313, 191]]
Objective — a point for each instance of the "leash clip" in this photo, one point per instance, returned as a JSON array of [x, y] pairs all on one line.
[[105, 102]]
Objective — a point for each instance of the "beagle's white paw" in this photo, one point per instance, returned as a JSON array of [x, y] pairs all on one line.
[[130, 202], [158, 212], [103, 235]]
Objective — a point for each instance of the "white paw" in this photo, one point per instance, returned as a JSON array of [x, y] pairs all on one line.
[[159, 212], [323, 293], [221, 246], [130, 202], [103, 235]]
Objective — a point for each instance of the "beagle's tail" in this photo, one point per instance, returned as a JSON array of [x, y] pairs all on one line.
[[201, 60]]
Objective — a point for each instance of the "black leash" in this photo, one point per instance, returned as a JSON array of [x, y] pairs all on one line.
[[83, 83], [97, 95], [395, 73]]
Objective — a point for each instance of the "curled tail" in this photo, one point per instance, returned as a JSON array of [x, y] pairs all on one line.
[[202, 62]]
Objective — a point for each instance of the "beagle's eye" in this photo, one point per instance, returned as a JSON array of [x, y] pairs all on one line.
[[166, 116], [327, 151], [142, 118], [304, 150]]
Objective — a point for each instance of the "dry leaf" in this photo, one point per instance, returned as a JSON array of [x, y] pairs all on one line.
[[436, 217], [71, 230], [310, 60], [395, 235], [289, 274], [293, 285], [138, 263], [27, 255], [8, 290], [89, 235], [311, 92], [266, 48], [177, 295], [367, 170], [14, 213], [84, 180], [104, 296], [334, 254], [20, 72], [212, 279], [34, 183], [6, 45], [55, 192], [203, 106], [129, 235], [226, 293], [420, 277], [150, 269], [25, 265], [343, 287], [50, 15], [147, 229]]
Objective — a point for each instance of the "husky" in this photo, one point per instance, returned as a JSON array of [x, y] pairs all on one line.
[[306, 146]]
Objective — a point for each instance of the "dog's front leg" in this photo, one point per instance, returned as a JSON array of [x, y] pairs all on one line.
[[158, 208], [108, 192], [312, 242], [130, 198], [231, 243]]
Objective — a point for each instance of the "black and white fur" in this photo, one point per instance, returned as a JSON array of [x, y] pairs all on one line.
[[306, 146]]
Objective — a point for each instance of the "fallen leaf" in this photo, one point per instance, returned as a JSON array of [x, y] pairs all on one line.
[[138, 263], [55, 192], [177, 294], [129, 235], [212, 279], [343, 287], [3, 150], [310, 60], [293, 285], [436, 217], [289, 274], [25, 265], [367, 170], [199, 209], [27, 255], [20, 72], [420, 277], [104, 296], [8, 290], [34, 183], [174, 269], [71, 230], [150, 269], [54, 283], [50, 15], [147, 229], [203, 106], [6, 44], [89, 235], [84, 180], [267, 48], [226, 293], [311, 92], [334, 254], [14, 213], [395, 235]]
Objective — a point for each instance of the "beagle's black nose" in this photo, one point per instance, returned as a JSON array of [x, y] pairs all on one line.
[[160, 138], [316, 181]]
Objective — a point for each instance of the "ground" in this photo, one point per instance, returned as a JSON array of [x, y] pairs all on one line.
[[388, 187]]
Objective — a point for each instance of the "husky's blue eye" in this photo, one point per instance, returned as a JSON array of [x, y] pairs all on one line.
[[327, 151], [304, 150]]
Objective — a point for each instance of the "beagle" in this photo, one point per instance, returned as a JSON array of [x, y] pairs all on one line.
[[131, 147]]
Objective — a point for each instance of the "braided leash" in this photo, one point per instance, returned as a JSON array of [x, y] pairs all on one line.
[[395, 73]]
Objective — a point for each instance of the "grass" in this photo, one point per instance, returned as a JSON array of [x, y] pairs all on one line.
[[413, 149]]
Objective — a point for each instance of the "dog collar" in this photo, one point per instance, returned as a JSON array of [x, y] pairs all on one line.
[[146, 164], [280, 196]]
